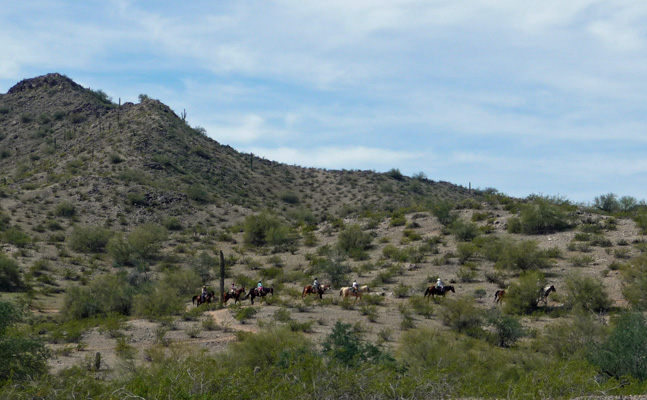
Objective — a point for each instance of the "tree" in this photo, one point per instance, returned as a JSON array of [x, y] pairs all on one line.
[[522, 296], [607, 202]]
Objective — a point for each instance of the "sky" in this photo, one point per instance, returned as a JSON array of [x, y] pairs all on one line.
[[527, 97]]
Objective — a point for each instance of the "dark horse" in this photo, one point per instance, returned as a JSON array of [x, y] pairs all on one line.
[[263, 292], [433, 290], [197, 299], [311, 290], [499, 295], [544, 292], [236, 295]]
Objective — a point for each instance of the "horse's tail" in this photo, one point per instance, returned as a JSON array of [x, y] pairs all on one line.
[[193, 299]]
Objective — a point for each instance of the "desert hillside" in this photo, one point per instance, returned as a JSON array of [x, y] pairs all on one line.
[[113, 216]]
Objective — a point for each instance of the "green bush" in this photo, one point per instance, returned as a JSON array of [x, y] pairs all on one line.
[[161, 301], [443, 211], [65, 209], [634, 276], [572, 339], [185, 281], [266, 228], [354, 242], [522, 296], [587, 292], [20, 355], [523, 256], [17, 237], [198, 193], [89, 239], [463, 316], [507, 329], [623, 353], [464, 231], [345, 346], [542, 216], [104, 295], [142, 244], [10, 277]]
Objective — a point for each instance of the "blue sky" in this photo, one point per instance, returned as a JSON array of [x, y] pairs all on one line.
[[529, 97]]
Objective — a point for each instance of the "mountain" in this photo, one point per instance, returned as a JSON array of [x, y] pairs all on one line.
[[134, 163]]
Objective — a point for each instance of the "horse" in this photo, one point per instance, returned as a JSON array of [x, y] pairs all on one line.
[[348, 291], [236, 295], [543, 294], [433, 290], [263, 292], [499, 295], [197, 299], [311, 290]]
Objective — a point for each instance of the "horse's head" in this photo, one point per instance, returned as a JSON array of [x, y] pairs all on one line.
[[450, 288]]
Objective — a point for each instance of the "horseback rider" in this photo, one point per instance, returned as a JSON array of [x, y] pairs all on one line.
[[259, 288], [315, 285], [355, 288], [232, 290], [439, 285], [204, 293]]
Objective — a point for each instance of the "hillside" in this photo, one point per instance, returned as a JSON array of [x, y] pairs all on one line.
[[113, 216]]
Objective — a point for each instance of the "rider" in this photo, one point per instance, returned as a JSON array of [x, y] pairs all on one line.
[[355, 288], [315, 285], [204, 293], [232, 290], [259, 288], [439, 285]]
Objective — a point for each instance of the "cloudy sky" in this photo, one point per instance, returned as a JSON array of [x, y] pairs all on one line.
[[529, 97]]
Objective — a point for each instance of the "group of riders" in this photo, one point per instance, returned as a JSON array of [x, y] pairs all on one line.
[[259, 287]]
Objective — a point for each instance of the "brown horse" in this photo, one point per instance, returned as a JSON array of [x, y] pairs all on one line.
[[544, 292], [235, 295], [499, 295], [348, 291], [259, 293], [197, 299], [311, 290], [433, 290]]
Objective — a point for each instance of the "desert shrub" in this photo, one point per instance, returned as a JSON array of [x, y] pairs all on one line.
[[289, 197], [464, 230], [143, 243], [443, 211], [185, 281], [463, 316], [10, 277], [573, 338], [582, 260], [465, 250], [354, 242], [16, 236], [104, 295], [160, 301], [65, 209], [421, 306], [266, 228], [172, 224], [89, 239], [345, 346], [522, 295], [204, 266], [275, 346], [395, 173], [4, 221], [507, 329], [634, 275], [198, 193], [607, 202], [398, 219], [623, 353], [543, 216], [524, 256], [467, 273], [20, 355], [587, 292], [242, 314]]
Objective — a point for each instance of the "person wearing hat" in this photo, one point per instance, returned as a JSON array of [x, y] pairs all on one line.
[[439, 285], [204, 293], [232, 290], [315, 285], [259, 288], [355, 286]]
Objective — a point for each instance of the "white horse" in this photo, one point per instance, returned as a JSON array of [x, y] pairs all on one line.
[[348, 291]]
